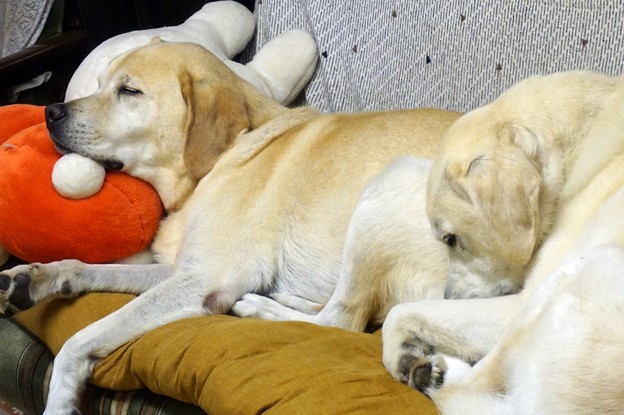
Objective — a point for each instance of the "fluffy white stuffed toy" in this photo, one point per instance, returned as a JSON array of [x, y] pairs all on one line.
[[279, 70]]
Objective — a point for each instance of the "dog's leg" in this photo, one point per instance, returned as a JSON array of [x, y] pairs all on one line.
[[414, 334], [174, 299], [483, 330], [389, 256], [24, 285], [521, 352]]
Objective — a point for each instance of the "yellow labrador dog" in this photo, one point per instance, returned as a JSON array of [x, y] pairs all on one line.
[[530, 184], [260, 199]]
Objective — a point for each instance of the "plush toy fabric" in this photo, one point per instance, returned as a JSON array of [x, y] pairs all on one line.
[[279, 70], [76, 177], [222, 27], [38, 224]]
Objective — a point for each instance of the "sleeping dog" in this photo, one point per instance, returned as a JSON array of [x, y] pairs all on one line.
[[525, 191], [260, 199]]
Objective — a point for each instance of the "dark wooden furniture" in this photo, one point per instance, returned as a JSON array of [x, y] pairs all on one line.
[[86, 24]]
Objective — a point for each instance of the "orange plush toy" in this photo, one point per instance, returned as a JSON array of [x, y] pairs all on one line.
[[38, 224]]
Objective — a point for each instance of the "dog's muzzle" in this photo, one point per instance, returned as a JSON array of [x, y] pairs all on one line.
[[56, 115]]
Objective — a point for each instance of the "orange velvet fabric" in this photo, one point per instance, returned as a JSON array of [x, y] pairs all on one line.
[[38, 224]]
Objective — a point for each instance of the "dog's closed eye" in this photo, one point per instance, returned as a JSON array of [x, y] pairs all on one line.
[[126, 90]]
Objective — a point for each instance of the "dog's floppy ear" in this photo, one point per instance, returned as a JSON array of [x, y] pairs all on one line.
[[522, 137], [504, 190], [216, 114]]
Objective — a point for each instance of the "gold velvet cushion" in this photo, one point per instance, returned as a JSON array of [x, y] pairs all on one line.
[[228, 365]]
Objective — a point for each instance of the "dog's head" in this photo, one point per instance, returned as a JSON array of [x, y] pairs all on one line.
[[483, 202], [163, 110]]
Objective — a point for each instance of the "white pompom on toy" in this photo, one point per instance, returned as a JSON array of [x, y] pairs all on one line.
[[77, 177]]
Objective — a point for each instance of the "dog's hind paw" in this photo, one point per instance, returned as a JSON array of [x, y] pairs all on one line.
[[254, 305]]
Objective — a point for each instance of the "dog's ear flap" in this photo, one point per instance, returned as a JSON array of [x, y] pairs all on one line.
[[505, 191], [516, 215], [522, 137], [216, 114]]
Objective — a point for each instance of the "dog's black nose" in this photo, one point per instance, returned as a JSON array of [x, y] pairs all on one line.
[[55, 112]]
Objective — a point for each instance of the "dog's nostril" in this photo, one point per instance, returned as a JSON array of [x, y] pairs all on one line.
[[55, 112]]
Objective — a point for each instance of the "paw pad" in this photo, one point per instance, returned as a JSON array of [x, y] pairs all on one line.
[[20, 297], [5, 282]]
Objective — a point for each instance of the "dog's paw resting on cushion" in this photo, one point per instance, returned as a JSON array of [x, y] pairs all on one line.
[[38, 224]]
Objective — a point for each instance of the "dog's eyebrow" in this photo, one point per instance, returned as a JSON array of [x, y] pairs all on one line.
[[472, 163], [125, 79]]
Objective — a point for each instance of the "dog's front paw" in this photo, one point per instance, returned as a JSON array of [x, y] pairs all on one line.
[[24, 285], [408, 358], [15, 293], [423, 372], [414, 363]]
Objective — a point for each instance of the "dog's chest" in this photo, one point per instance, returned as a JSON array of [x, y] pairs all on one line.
[[283, 244]]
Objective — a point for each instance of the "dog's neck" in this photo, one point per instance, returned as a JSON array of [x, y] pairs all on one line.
[[601, 142], [172, 187], [260, 108]]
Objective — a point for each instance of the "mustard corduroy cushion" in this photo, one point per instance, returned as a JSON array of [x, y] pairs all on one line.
[[228, 365]]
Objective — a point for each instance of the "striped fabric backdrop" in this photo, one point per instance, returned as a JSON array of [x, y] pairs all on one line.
[[453, 54]]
